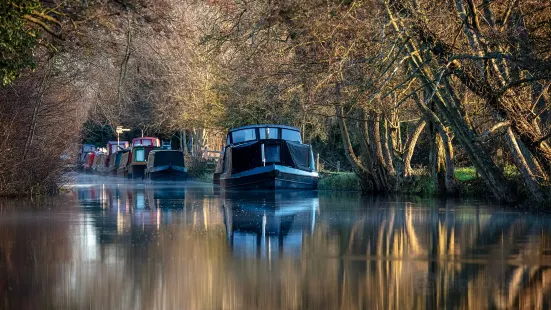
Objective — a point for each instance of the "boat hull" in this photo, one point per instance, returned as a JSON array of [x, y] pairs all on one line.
[[168, 174], [136, 171], [270, 178]]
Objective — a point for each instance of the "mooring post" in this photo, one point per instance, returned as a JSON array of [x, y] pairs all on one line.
[[318, 162]]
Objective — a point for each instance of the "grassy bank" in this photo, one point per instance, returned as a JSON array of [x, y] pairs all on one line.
[[339, 181], [470, 184]]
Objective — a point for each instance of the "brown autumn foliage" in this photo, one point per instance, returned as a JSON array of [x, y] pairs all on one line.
[[39, 115], [476, 72], [373, 79]]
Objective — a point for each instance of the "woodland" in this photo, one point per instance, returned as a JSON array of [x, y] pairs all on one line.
[[399, 90]]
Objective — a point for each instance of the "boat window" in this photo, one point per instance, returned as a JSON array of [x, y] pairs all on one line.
[[144, 142], [139, 155], [244, 135], [269, 133], [291, 135], [272, 154]]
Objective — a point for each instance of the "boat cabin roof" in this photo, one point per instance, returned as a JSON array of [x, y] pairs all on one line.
[[261, 132], [264, 126], [140, 141], [113, 147], [115, 142], [165, 157]]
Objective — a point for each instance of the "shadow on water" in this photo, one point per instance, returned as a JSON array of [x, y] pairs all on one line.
[[114, 244]]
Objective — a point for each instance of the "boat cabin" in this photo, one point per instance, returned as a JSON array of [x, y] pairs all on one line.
[[265, 157], [86, 149], [140, 152], [166, 145], [259, 145], [146, 141], [114, 146], [161, 158], [166, 164], [263, 132]]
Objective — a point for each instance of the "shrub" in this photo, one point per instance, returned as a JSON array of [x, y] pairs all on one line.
[[196, 166], [342, 181]]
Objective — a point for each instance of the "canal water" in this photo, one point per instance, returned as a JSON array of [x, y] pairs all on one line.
[[108, 243]]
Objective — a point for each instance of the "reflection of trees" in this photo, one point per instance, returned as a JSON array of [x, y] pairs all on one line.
[[33, 246], [403, 257], [326, 253]]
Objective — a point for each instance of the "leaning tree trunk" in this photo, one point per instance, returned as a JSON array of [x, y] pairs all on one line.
[[527, 174], [372, 167], [449, 178], [388, 147], [410, 147], [483, 162], [366, 177]]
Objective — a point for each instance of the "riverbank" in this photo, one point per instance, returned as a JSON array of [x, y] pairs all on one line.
[[421, 183]]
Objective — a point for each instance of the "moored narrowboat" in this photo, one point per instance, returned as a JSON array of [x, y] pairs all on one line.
[[109, 161], [122, 170], [140, 152], [84, 155], [88, 162], [266, 157], [166, 165], [115, 161]]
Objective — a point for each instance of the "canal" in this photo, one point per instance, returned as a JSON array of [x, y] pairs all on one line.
[[107, 243]]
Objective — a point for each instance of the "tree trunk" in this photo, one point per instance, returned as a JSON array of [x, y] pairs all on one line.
[[387, 144], [366, 176], [183, 142], [36, 109], [449, 178], [410, 146], [378, 167], [527, 174]]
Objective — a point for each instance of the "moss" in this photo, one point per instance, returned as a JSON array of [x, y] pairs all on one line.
[[342, 181]]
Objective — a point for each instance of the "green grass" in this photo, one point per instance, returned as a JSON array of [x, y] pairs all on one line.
[[464, 174], [341, 181]]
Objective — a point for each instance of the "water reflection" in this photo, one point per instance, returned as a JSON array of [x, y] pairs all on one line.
[[268, 223], [113, 245]]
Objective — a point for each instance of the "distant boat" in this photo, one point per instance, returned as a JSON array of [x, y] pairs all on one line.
[[109, 160], [88, 162], [84, 155], [166, 165], [122, 168], [138, 159], [266, 157]]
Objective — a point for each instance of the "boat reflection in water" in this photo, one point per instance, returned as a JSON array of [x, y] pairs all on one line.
[[112, 245], [269, 223]]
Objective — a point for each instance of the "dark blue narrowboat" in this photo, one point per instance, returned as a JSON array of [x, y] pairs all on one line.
[[166, 165], [268, 157]]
